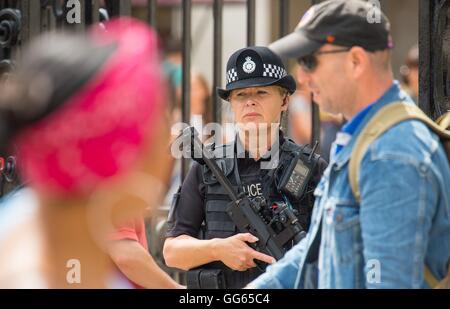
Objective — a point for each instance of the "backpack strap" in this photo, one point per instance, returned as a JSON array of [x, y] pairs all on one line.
[[444, 120], [444, 283], [382, 121], [430, 278]]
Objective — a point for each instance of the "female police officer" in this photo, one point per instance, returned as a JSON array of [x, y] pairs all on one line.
[[201, 236]]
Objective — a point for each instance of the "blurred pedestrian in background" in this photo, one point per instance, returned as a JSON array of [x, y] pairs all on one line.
[[409, 72]]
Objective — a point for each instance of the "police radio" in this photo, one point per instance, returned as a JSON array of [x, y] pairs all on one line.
[[296, 175]]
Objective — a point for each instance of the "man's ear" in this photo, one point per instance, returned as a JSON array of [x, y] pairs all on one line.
[[358, 60]]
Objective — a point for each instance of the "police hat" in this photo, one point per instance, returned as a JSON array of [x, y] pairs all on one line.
[[255, 66]]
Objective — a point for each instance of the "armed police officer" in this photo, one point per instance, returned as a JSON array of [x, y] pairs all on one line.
[[201, 237]]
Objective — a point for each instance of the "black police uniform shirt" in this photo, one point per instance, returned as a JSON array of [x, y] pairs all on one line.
[[187, 216]]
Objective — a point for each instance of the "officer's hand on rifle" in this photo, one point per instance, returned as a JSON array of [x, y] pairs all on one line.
[[235, 253]]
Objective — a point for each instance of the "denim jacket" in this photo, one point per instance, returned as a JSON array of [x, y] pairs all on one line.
[[401, 224]]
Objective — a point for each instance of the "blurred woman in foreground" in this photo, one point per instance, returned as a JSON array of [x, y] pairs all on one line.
[[85, 115]]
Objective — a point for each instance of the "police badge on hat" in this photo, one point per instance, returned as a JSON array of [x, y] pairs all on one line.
[[249, 66]]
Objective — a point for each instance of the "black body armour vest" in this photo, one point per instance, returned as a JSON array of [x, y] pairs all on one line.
[[218, 223]]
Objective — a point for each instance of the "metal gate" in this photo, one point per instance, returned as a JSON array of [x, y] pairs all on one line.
[[434, 57]]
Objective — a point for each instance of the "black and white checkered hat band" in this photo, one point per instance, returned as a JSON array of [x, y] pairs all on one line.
[[232, 76], [270, 70], [274, 71]]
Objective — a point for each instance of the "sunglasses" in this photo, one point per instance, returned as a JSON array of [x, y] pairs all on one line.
[[309, 62]]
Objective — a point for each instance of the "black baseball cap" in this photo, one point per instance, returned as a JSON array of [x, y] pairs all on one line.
[[255, 66], [345, 23]]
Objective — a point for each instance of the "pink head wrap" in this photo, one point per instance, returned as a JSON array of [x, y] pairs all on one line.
[[102, 129]]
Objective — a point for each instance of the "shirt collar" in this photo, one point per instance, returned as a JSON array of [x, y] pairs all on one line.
[[351, 126]]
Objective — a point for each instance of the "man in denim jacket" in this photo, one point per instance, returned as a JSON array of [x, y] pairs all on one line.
[[403, 220]]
